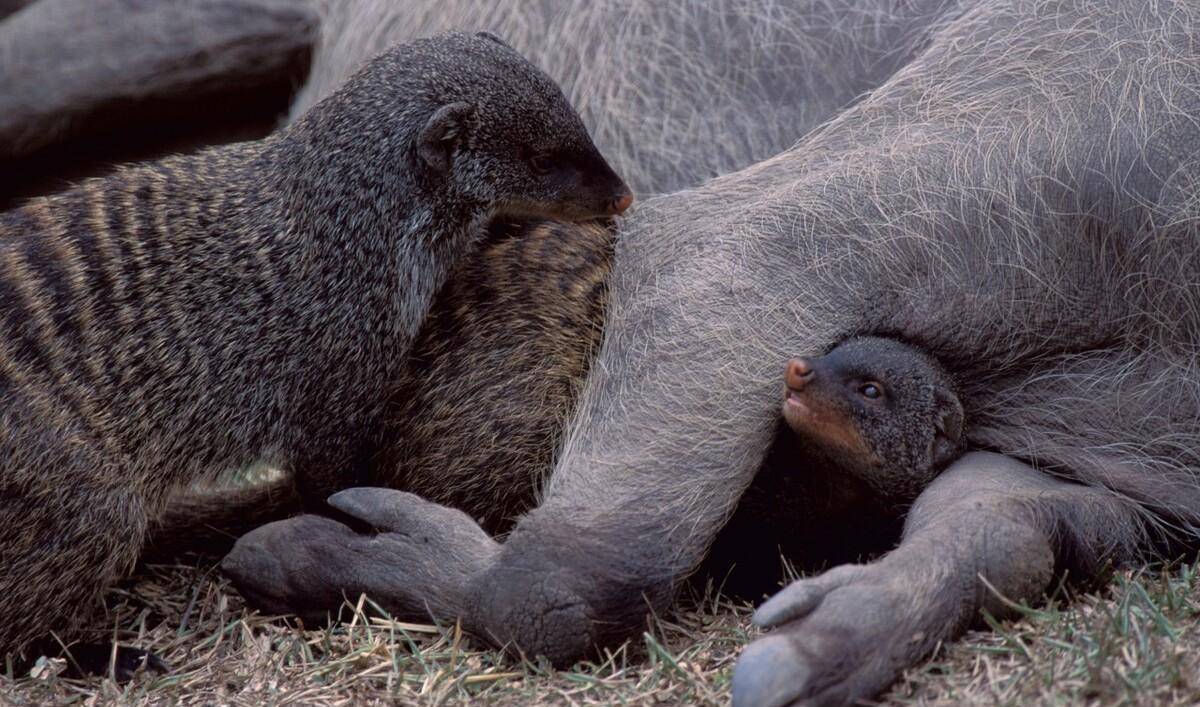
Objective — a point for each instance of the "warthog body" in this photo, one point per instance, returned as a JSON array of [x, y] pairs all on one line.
[[1007, 184]]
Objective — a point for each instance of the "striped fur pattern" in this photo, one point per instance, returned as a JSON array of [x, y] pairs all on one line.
[[481, 403], [493, 377], [248, 303]]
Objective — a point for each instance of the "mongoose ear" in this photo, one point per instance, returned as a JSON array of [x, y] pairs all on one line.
[[494, 37], [444, 131], [948, 423]]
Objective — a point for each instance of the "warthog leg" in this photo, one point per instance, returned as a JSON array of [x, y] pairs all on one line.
[[989, 527]]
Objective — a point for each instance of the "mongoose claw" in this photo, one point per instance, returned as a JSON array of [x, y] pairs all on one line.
[[92, 659]]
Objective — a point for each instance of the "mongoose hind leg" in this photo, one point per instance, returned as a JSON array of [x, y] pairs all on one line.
[[70, 523]]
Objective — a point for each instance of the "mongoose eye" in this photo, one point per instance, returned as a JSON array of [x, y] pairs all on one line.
[[870, 390], [541, 163]]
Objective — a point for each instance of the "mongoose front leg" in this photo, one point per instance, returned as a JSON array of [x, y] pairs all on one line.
[[988, 520], [69, 526], [412, 557], [85, 659]]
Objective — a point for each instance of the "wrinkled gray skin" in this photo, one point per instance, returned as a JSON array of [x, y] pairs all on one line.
[[1006, 183]]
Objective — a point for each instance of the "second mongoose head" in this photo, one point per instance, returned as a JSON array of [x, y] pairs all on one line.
[[469, 124], [879, 410]]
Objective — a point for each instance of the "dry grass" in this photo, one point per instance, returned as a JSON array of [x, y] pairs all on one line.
[[222, 654], [1136, 642]]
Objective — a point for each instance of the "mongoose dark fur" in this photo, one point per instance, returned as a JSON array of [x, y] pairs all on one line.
[[485, 397], [200, 313], [864, 430], [878, 410], [482, 401]]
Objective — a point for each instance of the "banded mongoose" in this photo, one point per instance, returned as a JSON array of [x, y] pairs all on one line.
[[251, 302], [879, 410], [480, 406]]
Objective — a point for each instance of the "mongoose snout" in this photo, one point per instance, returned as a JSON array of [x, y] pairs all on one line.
[[799, 373], [621, 203]]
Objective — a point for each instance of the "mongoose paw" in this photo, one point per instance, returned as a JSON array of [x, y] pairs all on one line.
[[97, 659], [839, 637]]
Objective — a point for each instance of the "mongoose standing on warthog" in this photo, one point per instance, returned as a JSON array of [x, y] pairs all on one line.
[[878, 410], [194, 315]]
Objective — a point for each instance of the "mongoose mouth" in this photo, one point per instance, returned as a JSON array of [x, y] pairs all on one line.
[[793, 403], [813, 420], [799, 413]]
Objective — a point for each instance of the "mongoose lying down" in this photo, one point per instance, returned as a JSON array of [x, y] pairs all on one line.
[[250, 302]]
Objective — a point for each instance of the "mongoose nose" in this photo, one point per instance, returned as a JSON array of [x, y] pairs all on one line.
[[621, 203], [799, 373]]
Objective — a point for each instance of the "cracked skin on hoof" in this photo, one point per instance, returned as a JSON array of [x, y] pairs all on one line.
[[543, 617]]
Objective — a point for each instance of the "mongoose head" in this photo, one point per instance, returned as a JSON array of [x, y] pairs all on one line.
[[525, 148], [879, 410], [480, 127]]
